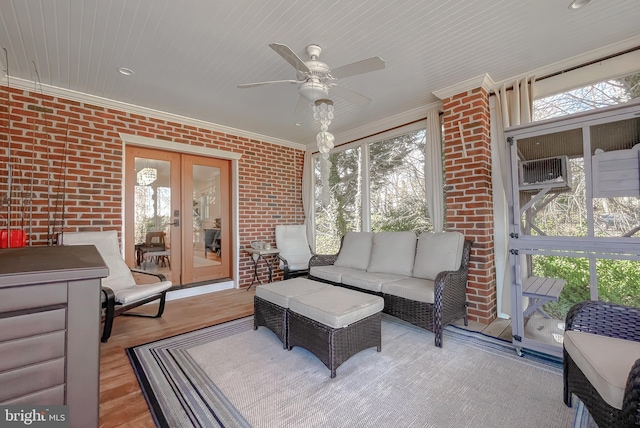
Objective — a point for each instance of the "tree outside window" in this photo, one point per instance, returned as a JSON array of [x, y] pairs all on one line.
[[396, 191]]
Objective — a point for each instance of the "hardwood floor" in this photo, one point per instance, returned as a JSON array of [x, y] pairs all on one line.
[[121, 401]]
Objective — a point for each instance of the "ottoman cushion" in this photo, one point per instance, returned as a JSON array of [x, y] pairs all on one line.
[[336, 307], [279, 293]]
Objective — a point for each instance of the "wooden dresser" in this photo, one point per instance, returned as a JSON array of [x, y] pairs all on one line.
[[50, 328]]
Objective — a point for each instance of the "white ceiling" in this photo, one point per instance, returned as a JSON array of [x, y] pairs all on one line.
[[188, 56]]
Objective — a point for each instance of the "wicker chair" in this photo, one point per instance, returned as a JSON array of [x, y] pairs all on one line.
[[603, 321]]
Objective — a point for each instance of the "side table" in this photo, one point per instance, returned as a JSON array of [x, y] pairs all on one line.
[[256, 256]]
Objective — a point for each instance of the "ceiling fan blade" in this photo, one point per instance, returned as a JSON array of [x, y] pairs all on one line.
[[251, 85], [360, 67], [350, 95], [285, 52]]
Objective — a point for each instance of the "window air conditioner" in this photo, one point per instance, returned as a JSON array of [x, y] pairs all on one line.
[[553, 173]]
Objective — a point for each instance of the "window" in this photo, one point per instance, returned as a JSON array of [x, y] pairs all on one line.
[[393, 183], [398, 198], [343, 212], [603, 94]]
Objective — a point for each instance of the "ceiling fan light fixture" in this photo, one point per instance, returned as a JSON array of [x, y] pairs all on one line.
[[313, 90], [577, 4]]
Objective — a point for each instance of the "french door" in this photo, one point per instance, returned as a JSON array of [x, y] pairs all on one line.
[[177, 215]]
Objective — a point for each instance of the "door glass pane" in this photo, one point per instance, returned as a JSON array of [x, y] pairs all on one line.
[[207, 216], [343, 212], [152, 215]]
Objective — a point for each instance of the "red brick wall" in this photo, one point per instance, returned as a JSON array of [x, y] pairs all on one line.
[[468, 198], [270, 175]]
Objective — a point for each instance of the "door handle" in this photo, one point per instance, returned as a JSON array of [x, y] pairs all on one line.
[[176, 223]]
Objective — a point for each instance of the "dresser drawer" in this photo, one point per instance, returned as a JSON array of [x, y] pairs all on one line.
[[32, 324], [27, 380], [33, 296], [47, 397], [31, 350]]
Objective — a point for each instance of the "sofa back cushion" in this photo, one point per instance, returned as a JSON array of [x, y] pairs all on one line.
[[355, 251], [438, 252], [393, 252]]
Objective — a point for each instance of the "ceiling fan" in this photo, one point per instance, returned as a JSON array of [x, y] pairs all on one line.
[[315, 77]]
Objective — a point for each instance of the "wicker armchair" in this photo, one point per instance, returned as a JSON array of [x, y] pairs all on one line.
[[604, 321]]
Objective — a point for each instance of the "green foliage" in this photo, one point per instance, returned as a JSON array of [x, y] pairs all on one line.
[[618, 281]]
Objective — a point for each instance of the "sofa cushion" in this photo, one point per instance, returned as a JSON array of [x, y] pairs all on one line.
[[393, 252], [355, 251], [332, 273], [336, 307], [605, 361], [280, 292], [371, 281], [438, 252], [420, 290]]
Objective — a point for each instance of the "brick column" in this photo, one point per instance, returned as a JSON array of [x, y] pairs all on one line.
[[467, 164]]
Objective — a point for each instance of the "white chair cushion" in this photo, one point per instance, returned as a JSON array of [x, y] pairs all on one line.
[[106, 242], [355, 251], [420, 290], [280, 292], [438, 252], [336, 307], [141, 291], [371, 281], [393, 252], [605, 361], [292, 242], [332, 273], [296, 261]]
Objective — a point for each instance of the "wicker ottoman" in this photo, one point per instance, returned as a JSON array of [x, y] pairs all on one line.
[[272, 300], [334, 324]]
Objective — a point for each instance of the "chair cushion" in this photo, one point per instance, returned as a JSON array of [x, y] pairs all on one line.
[[335, 306], [438, 252], [355, 251], [106, 242], [332, 273], [292, 242], [139, 292], [393, 252], [420, 290], [371, 281], [605, 361], [280, 292]]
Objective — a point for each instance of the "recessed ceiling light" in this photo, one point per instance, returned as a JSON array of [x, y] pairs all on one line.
[[125, 71], [298, 123], [577, 4]]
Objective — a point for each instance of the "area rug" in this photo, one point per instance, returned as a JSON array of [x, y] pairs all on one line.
[[232, 376]]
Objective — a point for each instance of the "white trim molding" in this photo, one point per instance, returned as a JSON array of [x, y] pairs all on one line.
[[81, 97], [385, 124], [199, 290], [482, 81], [153, 143]]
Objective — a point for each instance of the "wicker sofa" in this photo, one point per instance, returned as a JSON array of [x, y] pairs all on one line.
[[422, 281]]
